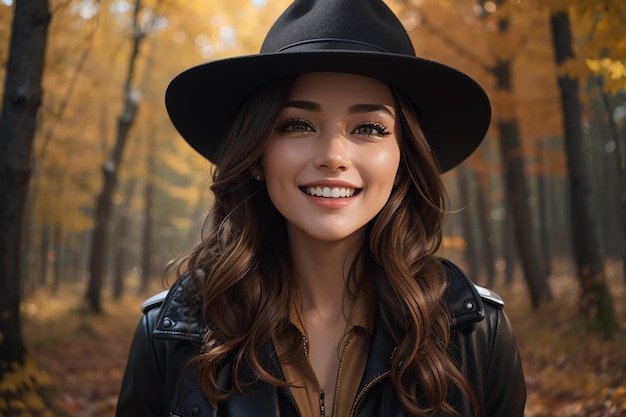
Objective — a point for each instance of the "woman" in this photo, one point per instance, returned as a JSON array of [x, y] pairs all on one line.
[[316, 290]]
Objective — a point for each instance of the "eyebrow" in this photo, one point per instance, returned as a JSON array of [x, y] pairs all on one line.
[[304, 105], [356, 108], [369, 108]]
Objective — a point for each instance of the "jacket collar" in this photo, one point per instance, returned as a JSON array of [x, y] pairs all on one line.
[[179, 320]]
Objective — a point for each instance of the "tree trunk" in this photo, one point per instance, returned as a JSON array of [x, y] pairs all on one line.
[[122, 240], [110, 172], [510, 255], [517, 193], [146, 247], [544, 217], [121, 248], [596, 302], [485, 225], [471, 252], [59, 252], [524, 232], [560, 215], [27, 271], [516, 187], [44, 248], [619, 160], [22, 99]]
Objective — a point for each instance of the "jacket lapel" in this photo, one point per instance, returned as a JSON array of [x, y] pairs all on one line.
[[178, 321]]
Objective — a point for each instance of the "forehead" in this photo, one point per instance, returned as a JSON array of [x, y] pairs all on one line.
[[339, 87]]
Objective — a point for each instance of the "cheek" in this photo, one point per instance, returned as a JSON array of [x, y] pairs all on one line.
[[385, 166], [277, 160], [282, 163]]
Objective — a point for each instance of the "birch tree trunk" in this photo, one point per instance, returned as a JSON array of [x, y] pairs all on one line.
[[110, 171]]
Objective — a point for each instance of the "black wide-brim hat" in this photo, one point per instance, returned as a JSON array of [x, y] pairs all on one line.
[[350, 36]]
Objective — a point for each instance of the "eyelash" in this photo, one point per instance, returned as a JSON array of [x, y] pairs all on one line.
[[378, 127], [287, 126]]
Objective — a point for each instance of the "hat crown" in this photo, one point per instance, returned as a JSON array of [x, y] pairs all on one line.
[[365, 25], [361, 37]]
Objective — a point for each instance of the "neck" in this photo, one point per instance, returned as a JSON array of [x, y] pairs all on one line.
[[321, 271]]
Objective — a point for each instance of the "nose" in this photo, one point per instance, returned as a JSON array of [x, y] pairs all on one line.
[[333, 154]]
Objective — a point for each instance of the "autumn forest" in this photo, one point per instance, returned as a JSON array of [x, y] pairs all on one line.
[[99, 195]]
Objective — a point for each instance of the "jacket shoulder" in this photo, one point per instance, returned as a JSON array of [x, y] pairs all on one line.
[[490, 296], [458, 279], [154, 301], [466, 299], [172, 314]]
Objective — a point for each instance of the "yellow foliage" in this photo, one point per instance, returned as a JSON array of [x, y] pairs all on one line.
[[506, 46], [20, 390], [454, 243], [34, 401], [457, 32], [613, 71], [504, 104], [17, 404], [611, 7], [177, 164], [573, 68], [10, 382], [181, 193], [181, 223], [24, 376]]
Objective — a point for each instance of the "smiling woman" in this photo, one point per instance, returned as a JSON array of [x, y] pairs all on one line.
[[336, 132], [315, 290]]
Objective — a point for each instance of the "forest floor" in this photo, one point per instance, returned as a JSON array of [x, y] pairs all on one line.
[[569, 372]]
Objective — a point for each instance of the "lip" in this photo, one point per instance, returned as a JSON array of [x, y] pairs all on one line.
[[326, 202], [330, 183]]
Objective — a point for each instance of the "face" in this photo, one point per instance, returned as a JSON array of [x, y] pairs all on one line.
[[333, 157]]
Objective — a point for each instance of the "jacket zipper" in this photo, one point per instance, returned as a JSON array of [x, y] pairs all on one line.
[[366, 388], [370, 384], [322, 404], [322, 394], [343, 353]]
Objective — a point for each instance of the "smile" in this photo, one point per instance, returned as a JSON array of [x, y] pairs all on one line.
[[330, 192]]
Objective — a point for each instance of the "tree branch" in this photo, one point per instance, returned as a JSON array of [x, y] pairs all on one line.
[[456, 46]]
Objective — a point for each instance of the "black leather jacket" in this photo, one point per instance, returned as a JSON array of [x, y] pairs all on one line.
[[157, 382]]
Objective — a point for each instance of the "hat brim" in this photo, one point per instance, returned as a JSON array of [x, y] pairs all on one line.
[[454, 111]]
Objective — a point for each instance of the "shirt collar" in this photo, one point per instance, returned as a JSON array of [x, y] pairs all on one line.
[[362, 315]]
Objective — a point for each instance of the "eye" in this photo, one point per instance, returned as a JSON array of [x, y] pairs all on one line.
[[294, 126], [371, 129]]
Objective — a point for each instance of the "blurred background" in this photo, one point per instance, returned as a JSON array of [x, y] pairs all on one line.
[[114, 194]]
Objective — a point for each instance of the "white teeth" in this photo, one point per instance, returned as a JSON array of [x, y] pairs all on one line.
[[328, 192]]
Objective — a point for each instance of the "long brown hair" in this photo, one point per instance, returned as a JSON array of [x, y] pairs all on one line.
[[242, 269]]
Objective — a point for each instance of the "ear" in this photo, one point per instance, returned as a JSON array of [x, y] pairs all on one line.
[[257, 174]]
